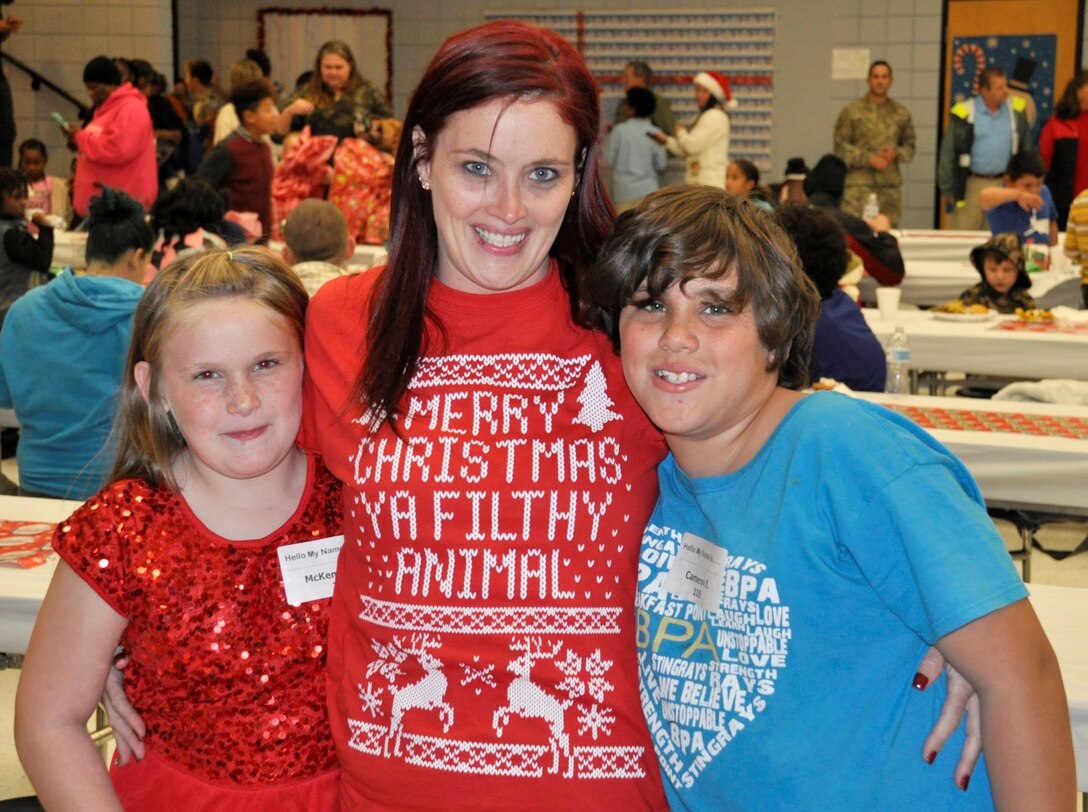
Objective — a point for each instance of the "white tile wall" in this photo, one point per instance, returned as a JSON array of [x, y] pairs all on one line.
[[60, 36]]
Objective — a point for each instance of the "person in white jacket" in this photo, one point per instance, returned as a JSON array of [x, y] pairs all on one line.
[[705, 147]]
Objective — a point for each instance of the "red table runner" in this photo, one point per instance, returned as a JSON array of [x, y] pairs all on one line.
[[1040, 327], [24, 544], [1073, 428]]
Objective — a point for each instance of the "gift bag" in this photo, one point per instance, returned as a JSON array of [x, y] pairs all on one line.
[[362, 188]]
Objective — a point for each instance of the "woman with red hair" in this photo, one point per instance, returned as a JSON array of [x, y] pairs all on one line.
[[497, 472]]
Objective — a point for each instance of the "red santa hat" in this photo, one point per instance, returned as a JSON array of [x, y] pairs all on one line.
[[717, 86]]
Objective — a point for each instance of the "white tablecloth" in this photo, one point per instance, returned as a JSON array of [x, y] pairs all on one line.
[[928, 243], [1063, 611], [931, 282], [70, 248], [982, 348], [1028, 471], [22, 590], [367, 256]]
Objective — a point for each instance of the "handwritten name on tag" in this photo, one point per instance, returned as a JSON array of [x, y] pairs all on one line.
[[696, 571], [309, 569]]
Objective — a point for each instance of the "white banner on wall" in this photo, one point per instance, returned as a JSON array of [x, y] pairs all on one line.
[[292, 38]]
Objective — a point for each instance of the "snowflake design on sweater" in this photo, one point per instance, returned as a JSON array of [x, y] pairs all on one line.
[[594, 683], [370, 698], [596, 720]]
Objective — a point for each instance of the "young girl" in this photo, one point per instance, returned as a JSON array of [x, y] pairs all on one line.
[[742, 180], [24, 259], [178, 561], [191, 215], [45, 192], [806, 549]]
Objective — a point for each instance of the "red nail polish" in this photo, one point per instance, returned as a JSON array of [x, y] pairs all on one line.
[[931, 757], [964, 782], [920, 681]]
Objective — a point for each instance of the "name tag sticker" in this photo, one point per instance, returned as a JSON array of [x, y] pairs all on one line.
[[697, 571], [309, 569]]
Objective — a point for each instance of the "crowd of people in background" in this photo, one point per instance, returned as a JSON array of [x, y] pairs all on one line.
[[219, 165], [248, 138], [266, 148]]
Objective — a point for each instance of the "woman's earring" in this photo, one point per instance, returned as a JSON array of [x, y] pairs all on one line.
[[426, 186]]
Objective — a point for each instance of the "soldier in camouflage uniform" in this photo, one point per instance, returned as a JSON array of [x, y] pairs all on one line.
[[874, 134]]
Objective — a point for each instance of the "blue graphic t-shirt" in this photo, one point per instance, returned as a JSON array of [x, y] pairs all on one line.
[[783, 609], [1033, 226]]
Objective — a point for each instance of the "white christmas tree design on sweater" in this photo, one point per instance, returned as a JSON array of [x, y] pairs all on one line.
[[595, 402]]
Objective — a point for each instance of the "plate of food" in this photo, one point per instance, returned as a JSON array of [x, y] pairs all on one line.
[[1035, 315], [958, 311]]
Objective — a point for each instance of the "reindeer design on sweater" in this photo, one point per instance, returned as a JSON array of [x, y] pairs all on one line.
[[426, 693], [527, 699]]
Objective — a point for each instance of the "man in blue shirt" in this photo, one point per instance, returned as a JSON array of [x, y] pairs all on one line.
[[983, 133]]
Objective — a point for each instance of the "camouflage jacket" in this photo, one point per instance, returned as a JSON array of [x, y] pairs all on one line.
[[983, 294], [339, 117], [862, 129]]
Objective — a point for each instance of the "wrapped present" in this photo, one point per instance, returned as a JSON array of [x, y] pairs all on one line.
[[302, 173], [362, 188]]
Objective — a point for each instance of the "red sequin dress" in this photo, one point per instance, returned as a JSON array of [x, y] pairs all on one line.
[[228, 677]]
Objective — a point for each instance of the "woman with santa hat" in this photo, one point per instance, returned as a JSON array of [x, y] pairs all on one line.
[[705, 145]]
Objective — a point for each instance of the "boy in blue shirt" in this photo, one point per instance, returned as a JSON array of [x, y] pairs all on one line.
[[805, 550], [1023, 204], [636, 158]]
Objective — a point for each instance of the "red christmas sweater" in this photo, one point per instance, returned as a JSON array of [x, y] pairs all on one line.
[[482, 641]]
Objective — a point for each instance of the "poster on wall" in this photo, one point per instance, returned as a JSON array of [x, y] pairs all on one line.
[[677, 45], [1027, 59]]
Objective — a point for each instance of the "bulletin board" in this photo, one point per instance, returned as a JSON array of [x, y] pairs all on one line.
[[1037, 44], [738, 43], [1027, 59]]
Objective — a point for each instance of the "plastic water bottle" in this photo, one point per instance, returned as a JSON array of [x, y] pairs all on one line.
[[872, 207], [897, 359]]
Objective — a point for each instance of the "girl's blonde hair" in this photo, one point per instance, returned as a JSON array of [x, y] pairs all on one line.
[[148, 439]]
